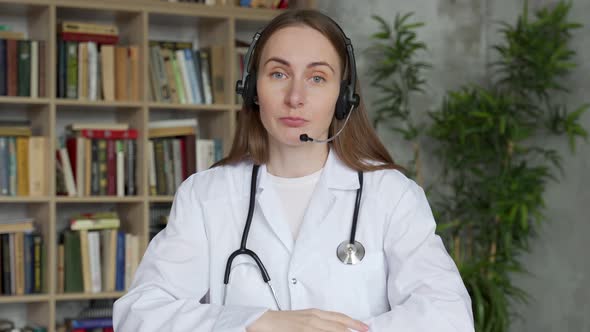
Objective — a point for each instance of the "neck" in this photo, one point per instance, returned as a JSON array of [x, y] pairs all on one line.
[[296, 161]]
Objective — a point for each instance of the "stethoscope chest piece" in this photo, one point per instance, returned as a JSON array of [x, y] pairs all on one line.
[[350, 254]]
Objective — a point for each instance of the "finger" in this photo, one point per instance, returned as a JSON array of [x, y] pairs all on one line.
[[343, 319], [325, 325]]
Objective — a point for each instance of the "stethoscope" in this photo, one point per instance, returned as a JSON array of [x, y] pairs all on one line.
[[349, 252]]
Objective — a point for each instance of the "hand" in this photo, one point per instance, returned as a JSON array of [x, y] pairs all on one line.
[[310, 320]]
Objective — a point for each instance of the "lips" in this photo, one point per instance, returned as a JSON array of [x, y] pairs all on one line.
[[293, 121]]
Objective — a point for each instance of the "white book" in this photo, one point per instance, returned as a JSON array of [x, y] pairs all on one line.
[[174, 123], [68, 175], [97, 126], [152, 161], [92, 71], [95, 266], [120, 169], [205, 154], [131, 258], [34, 69], [188, 91]]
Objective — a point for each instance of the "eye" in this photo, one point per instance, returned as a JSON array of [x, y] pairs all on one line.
[[318, 79], [277, 75]]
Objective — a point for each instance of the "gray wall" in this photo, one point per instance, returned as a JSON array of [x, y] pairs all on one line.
[[459, 34]]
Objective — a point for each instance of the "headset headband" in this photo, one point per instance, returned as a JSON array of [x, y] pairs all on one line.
[[352, 97]]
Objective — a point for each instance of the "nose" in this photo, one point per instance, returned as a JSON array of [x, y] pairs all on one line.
[[296, 95]]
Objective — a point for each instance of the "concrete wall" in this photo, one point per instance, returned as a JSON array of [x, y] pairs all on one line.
[[459, 34]]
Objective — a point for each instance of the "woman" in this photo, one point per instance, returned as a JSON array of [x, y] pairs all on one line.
[[346, 240]]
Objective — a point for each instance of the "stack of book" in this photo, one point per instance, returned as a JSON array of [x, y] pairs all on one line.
[[97, 159], [95, 256], [159, 214], [21, 258], [92, 67], [96, 317], [179, 74], [175, 151], [21, 160], [272, 4], [22, 65], [7, 325]]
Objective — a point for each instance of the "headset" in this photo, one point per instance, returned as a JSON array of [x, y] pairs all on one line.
[[347, 98]]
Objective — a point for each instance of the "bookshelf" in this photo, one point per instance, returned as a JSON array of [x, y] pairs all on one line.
[[139, 21]]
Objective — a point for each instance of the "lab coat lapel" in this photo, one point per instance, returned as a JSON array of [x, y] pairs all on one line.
[[335, 176], [272, 211]]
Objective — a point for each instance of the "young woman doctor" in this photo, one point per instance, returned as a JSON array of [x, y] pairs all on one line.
[[293, 233]]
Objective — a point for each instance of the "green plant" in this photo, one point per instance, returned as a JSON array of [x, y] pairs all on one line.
[[495, 170], [396, 75]]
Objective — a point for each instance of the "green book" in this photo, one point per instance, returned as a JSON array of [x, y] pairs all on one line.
[[72, 70], [73, 281], [24, 68]]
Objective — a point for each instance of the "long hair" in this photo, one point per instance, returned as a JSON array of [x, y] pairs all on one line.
[[358, 145]]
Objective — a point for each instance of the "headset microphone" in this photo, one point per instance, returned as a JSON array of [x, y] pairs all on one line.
[[306, 138]]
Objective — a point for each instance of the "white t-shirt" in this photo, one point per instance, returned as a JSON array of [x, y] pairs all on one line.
[[295, 194]]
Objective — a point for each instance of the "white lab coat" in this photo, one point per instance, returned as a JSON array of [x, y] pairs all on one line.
[[406, 282]]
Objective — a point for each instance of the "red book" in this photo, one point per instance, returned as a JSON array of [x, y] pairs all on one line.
[[86, 37], [111, 168], [42, 69], [109, 134], [71, 147], [190, 154], [12, 67]]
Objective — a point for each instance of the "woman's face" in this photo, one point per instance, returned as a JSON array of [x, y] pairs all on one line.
[[298, 84]]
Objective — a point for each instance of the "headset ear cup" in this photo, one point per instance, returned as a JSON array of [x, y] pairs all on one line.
[[342, 106], [250, 92]]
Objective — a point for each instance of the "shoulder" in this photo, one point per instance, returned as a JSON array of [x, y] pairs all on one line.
[[390, 186], [217, 182]]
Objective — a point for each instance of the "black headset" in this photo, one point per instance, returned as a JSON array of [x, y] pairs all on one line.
[[347, 99]]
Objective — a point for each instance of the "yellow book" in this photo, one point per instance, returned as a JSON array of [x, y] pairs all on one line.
[[85, 255], [19, 262], [37, 172], [22, 166]]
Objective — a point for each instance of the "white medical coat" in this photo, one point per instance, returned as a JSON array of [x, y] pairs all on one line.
[[406, 282]]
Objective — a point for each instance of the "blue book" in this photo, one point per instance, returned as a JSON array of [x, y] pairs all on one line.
[[190, 68], [120, 263], [91, 323], [29, 264]]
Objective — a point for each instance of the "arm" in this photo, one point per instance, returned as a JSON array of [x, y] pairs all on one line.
[[425, 289], [174, 275]]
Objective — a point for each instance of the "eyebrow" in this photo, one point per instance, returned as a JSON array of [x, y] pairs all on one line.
[[312, 64]]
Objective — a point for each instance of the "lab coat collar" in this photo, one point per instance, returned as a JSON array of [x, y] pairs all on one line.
[[335, 176]]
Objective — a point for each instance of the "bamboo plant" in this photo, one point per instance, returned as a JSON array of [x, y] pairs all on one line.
[[489, 201]]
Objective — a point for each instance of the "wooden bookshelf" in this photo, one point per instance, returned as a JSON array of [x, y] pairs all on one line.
[[139, 21]]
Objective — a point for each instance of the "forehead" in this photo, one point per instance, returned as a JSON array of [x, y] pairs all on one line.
[[300, 45]]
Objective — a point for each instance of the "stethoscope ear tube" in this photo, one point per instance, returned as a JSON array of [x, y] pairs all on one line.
[[357, 205]]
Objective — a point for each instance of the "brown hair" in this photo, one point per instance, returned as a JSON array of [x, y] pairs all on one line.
[[358, 146]]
